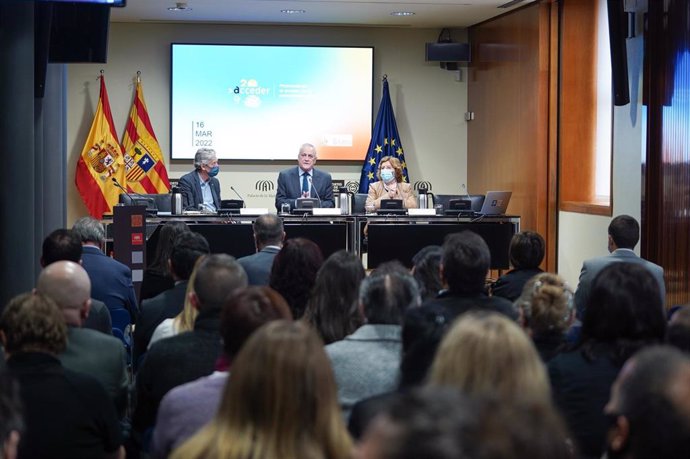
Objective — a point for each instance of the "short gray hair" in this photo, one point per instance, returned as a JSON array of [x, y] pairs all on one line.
[[89, 230], [308, 145], [203, 156]]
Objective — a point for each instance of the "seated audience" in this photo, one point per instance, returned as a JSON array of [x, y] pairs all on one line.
[[191, 355], [268, 239], [332, 308], [526, 253], [67, 414], [88, 351], [281, 402], [367, 362], [65, 245], [678, 331], [649, 407], [464, 266], [624, 313], [111, 281], [157, 277], [426, 269], [442, 423], [187, 248], [390, 185], [294, 273], [546, 311], [11, 420], [187, 408]]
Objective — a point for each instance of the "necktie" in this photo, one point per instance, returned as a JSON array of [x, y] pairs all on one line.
[[305, 182]]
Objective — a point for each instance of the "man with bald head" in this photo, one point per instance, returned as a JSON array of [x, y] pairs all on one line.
[[88, 351]]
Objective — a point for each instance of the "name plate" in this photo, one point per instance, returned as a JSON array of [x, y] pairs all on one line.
[[421, 212], [325, 211], [253, 210]]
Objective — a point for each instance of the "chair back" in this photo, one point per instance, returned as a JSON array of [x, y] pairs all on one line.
[[358, 205]]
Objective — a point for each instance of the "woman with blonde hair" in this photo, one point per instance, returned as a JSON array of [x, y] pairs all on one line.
[[280, 402], [488, 354], [547, 311], [390, 185]]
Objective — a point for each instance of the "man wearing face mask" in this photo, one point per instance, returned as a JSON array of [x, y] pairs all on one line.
[[390, 185], [200, 188]]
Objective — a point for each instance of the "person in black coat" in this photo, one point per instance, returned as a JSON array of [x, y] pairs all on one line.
[[526, 254]]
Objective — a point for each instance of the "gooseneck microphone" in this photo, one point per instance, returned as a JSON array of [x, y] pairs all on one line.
[[466, 192], [315, 191], [117, 184], [238, 195], [130, 196]]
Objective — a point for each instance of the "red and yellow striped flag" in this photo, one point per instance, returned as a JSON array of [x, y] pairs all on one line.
[[146, 173], [101, 160]]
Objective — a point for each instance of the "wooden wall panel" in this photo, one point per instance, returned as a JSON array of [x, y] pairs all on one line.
[[510, 91]]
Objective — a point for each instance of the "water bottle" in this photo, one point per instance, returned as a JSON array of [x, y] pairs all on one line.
[[176, 201], [344, 199], [423, 199]]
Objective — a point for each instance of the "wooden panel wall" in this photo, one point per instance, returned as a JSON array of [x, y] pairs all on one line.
[[666, 173], [511, 90]]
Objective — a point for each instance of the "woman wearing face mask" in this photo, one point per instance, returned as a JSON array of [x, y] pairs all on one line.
[[390, 185], [200, 188]]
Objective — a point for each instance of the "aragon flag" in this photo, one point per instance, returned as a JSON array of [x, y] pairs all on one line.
[[146, 173], [101, 160]]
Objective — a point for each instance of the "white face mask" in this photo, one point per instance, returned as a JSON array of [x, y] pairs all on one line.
[[387, 175]]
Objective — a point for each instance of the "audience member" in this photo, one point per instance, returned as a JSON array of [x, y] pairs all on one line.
[[11, 420], [67, 414], [367, 362], [191, 355], [624, 313], [678, 330], [426, 265], [294, 273], [187, 408], [280, 403], [268, 239], [546, 311], [65, 245], [464, 267], [649, 407], [304, 181], [111, 281], [442, 423], [157, 277], [87, 351], [332, 308], [624, 233], [187, 248], [526, 253]]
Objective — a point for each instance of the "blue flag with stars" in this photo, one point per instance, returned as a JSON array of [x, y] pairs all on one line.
[[385, 141]]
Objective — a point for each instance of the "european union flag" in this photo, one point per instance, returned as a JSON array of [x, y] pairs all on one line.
[[385, 141]]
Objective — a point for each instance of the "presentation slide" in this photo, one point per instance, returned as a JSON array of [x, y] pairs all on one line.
[[263, 102]]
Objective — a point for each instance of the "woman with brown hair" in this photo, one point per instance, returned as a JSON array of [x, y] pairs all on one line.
[[390, 185], [280, 402]]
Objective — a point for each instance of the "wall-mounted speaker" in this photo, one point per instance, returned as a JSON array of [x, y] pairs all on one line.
[[79, 33], [448, 52], [618, 26]]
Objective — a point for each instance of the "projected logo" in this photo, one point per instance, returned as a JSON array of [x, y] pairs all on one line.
[[352, 186], [423, 184], [264, 185], [249, 93]]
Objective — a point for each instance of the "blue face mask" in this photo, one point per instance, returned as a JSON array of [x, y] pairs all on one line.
[[387, 175], [214, 171]]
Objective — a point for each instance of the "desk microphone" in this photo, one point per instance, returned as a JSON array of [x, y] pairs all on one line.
[[130, 195], [238, 195], [466, 192], [315, 191]]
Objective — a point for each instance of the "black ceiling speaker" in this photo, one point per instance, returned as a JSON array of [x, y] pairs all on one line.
[[79, 33], [446, 52]]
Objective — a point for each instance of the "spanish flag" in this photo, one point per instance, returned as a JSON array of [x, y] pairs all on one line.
[[101, 161], [146, 173]]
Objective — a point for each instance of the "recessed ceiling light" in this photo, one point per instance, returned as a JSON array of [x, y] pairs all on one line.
[[179, 6], [402, 13], [293, 11]]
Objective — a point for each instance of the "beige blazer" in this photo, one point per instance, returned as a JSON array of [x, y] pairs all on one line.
[[404, 192]]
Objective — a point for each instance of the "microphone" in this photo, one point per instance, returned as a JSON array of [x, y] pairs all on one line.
[[466, 192], [314, 188], [117, 184], [238, 195], [150, 204]]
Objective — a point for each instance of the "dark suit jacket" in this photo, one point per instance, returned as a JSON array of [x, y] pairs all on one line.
[[258, 266], [450, 305], [290, 187], [191, 191], [153, 311], [99, 318], [509, 285], [100, 356], [111, 281]]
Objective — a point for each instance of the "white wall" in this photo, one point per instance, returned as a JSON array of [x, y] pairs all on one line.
[[583, 236], [429, 103]]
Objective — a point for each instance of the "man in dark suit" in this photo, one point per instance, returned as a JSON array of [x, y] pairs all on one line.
[[624, 233], [200, 188], [188, 247], [268, 237], [64, 244], [88, 351], [304, 181], [111, 281]]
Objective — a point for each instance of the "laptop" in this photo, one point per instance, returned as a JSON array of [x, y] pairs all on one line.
[[496, 202]]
